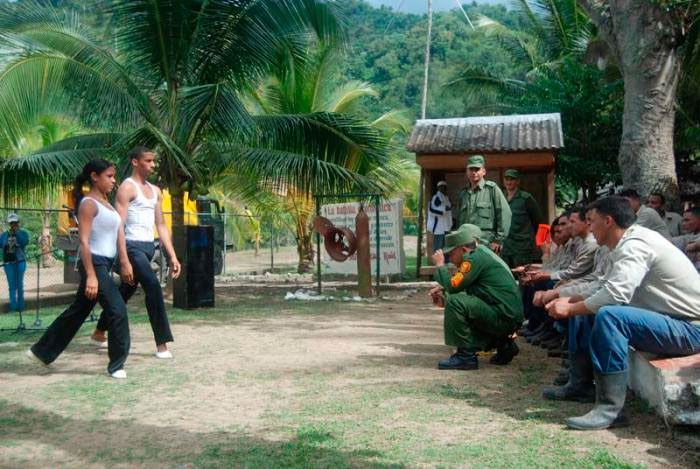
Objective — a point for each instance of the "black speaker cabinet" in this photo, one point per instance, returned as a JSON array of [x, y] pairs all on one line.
[[194, 288]]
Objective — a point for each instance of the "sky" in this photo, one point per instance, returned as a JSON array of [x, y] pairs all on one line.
[[421, 6]]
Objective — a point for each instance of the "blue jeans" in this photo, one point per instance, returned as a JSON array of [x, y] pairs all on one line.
[[15, 281], [608, 334]]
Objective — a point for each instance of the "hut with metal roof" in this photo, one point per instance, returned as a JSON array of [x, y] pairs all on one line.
[[527, 142]]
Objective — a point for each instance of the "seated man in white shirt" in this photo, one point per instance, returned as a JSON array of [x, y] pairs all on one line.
[[649, 299]]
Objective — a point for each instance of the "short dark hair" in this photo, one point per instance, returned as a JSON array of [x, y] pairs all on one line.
[[137, 152], [660, 196], [631, 193], [695, 211], [616, 207], [580, 211]]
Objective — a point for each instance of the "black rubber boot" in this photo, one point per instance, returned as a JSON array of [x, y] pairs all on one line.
[[562, 378], [536, 330], [611, 390], [579, 386], [505, 352], [462, 360]]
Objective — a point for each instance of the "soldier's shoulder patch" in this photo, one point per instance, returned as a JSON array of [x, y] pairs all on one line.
[[465, 267], [457, 279]]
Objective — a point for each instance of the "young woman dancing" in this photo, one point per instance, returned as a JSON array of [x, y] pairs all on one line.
[[100, 230]]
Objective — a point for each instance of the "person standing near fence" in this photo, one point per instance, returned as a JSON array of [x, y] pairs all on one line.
[[101, 230], [140, 204], [13, 242]]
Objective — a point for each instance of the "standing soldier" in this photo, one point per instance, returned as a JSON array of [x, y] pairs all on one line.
[[482, 203], [439, 216], [482, 302], [519, 246]]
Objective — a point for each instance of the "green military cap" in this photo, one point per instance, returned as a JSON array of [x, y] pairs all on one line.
[[512, 173], [465, 234], [475, 161]]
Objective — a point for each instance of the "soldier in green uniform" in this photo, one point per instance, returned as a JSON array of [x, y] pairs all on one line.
[[482, 302], [519, 246], [483, 204]]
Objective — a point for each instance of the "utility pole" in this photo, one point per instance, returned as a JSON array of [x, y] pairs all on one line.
[[424, 105]]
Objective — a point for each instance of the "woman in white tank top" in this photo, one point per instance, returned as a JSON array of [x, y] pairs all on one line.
[[100, 229]]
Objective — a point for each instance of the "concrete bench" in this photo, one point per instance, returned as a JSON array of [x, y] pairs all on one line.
[[670, 385]]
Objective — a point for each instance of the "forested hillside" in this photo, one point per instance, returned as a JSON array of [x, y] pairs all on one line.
[[387, 49]]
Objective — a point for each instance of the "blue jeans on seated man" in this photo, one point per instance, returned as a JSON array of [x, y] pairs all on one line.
[[606, 336]]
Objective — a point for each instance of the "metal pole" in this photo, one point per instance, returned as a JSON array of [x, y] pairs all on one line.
[[376, 213], [424, 105], [225, 229], [37, 321], [420, 223], [272, 249], [318, 245]]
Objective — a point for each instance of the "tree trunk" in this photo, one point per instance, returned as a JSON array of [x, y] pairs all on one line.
[[644, 39], [305, 245]]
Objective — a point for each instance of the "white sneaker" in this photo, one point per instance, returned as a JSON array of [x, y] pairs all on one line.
[[99, 343], [34, 358], [166, 354], [119, 374]]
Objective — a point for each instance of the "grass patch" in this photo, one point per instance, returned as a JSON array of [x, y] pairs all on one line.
[[349, 411]]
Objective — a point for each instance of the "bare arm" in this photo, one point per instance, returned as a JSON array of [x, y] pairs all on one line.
[[87, 213], [164, 234], [124, 196]]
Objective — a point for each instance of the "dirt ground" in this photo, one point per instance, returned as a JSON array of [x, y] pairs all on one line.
[[264, 382]]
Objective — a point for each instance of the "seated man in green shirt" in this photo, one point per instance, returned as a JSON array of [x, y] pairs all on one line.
[[482, 302]]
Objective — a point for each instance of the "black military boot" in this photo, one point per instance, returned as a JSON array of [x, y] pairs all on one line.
[[505, 352], [579, 387], [611, 390], [462, 360]]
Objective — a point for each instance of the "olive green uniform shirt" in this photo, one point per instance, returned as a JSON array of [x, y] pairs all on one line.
[[525, 219], [488, 278], [486, 207]]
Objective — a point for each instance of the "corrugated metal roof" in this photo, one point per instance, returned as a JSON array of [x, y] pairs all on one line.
[[523, 132]]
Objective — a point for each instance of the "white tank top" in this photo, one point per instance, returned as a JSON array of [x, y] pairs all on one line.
[[140, 216], [105, 227]]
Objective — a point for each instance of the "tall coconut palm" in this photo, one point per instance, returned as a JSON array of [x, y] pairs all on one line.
[[549, 32], [173, 84], [307, 84]]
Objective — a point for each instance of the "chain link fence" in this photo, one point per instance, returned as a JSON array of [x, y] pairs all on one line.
[[244, 244]]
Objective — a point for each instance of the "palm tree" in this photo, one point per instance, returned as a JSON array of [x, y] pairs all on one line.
[[170, 79], [307, 84], [550, 32]]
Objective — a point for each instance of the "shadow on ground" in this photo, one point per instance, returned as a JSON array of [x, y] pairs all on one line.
[[127, 442]]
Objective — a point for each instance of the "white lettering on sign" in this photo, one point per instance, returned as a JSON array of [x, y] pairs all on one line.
[[391, 255]]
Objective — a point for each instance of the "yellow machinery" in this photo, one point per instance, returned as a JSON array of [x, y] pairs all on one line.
[[65, 220]]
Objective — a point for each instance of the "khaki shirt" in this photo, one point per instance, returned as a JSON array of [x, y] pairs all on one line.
[[681, 242], [486, 207], [580, 261], [650, 218], [483, 274], [645, 271], [590, 282], [673, 223]]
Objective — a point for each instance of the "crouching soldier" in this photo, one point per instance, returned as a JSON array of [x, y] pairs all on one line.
[[482, 302]]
